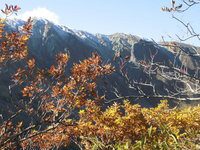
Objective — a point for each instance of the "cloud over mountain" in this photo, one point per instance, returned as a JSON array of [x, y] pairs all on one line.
[[40, 12]]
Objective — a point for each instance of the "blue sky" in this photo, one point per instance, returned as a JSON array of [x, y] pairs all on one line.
[[138, 17]]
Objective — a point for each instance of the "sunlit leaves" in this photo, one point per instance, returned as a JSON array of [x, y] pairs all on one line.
[[59, 95], [2, 20], [48, 95], [13, 46], [31, 63], [50, 98], [154, 127], [24, 38]]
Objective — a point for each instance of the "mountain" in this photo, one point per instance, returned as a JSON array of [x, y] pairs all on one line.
[[137, 54]]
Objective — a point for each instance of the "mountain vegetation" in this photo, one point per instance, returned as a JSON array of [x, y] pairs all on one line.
[[67, 89]]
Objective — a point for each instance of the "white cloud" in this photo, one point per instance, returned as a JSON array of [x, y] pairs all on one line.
[[40, 13]]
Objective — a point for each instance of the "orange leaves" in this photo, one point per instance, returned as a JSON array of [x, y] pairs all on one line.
[[2, 59], [28, 91], [31, 90], [58, 95], [18, 127], [55, 91], [31, 63], [54, 136], [52, 70], [90, 68], [57, 71], [10, 9], [21, 75], [27, 28], [13, 46], [62, 59], [18, 77], [24, 38], [66, 94]]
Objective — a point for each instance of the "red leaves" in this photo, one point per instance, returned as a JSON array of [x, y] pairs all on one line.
[[10, 9], [16, 8]]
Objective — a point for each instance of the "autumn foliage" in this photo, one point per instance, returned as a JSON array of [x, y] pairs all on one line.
[[64, 108], [126, 126], [13, 46]]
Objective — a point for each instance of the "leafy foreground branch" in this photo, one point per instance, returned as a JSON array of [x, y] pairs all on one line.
[[122, 126], [60, 108]]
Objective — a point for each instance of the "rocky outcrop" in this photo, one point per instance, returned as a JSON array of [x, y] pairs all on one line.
[[49, 39]]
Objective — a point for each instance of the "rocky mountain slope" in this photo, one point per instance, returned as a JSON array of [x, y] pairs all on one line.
[[135, 60]]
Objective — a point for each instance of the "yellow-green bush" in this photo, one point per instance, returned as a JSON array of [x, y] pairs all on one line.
[[132, 127]]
